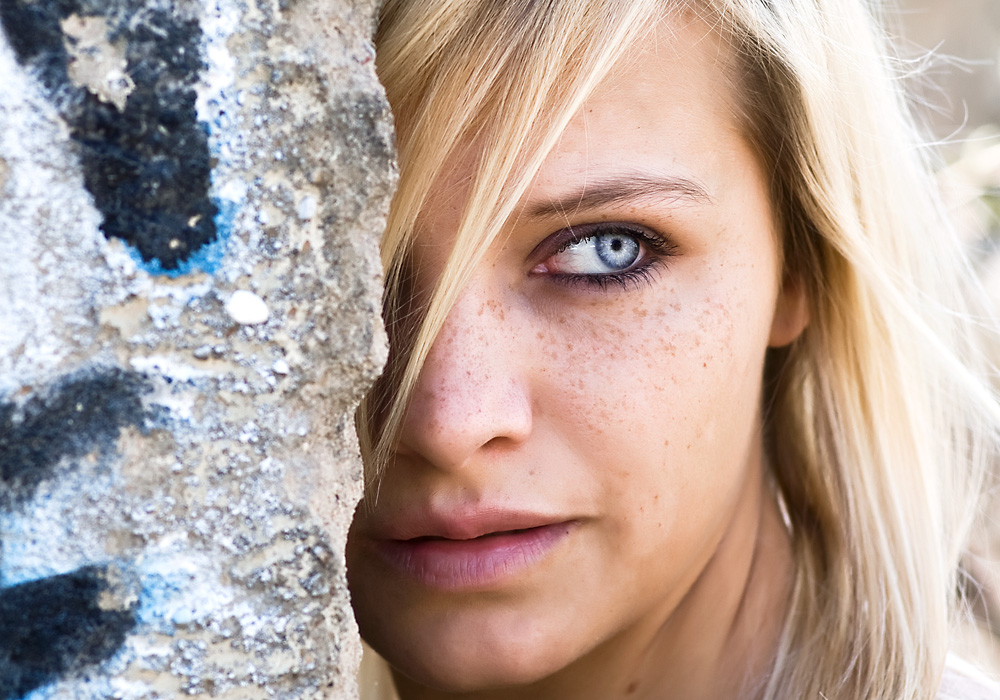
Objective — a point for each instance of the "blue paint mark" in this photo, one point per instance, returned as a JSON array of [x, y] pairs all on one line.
[[178, 589], [206, 259], [56, 623]]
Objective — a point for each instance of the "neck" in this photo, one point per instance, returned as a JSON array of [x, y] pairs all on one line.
[[716, 643]]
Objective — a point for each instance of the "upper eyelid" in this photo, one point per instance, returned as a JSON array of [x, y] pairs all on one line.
[[560, 239]]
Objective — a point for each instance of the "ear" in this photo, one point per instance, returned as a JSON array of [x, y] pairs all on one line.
[[791, 312]]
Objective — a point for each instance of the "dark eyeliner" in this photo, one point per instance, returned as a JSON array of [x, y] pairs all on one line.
[[626, 280], [658, 250]]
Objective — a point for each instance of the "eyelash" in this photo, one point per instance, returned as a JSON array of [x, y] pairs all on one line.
[[626, 280], [659, 249]]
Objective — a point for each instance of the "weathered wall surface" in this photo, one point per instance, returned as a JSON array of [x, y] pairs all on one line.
[[191, 194]]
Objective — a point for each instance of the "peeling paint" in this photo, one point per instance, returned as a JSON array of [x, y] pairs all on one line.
[[95, 63]]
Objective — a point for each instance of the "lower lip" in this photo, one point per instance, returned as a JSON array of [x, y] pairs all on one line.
[[482, 562]]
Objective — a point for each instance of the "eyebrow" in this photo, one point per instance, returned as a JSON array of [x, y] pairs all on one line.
[[621, 190]]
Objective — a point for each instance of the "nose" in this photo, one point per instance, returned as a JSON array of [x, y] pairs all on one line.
[[472, 396]]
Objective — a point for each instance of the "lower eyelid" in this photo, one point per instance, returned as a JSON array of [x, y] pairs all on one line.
[[626, 280]]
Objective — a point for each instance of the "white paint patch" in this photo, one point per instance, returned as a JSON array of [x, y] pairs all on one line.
[[219, 22], [46, 539], [47, 289], [168, 302], [182, 294], [234, 190], [95, 63], [217, 107], [246, 308], [179, 587]]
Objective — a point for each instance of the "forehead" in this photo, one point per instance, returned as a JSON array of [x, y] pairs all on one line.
[[667, 107]]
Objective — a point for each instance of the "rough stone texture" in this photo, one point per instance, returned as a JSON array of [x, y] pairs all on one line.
[[191, 194]]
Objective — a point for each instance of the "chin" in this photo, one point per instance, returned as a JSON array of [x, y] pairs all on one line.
[[457, 665], [450, 677]]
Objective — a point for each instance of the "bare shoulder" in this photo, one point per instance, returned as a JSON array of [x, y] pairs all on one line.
[[963, 681]]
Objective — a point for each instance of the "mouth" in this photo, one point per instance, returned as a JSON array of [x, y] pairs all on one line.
[[500, 533], [481, 562]]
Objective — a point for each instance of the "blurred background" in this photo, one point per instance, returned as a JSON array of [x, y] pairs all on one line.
[[965, 36], [954, 46]]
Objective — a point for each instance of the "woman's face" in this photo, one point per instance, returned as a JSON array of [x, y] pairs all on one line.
[[580, 467]]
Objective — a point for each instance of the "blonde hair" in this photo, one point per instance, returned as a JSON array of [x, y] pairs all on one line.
[[878, 421]]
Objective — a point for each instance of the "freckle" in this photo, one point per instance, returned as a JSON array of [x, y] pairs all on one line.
[[666, 443]]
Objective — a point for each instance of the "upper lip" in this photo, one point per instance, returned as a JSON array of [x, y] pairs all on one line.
[[462, 523]]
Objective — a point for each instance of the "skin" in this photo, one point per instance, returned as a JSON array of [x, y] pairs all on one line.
[[630, 412]]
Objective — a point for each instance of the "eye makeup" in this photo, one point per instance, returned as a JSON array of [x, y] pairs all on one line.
[[588, 255]]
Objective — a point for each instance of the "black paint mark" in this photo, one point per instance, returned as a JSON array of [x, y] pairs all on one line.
[[58, 625], [148, 166], [81, 413]]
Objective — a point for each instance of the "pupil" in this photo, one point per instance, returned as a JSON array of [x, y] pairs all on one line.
[[616, 251]]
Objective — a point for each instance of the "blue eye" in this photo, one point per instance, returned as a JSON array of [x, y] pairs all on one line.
[[620, 254], [616, 251], [599, 254]]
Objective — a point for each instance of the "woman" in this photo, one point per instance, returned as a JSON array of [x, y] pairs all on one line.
[[683, 400]]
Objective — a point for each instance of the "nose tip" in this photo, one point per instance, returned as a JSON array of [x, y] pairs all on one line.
[[472, 394]]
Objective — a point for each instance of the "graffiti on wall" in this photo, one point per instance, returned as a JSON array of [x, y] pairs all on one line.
[[60, 624], [192, 192], [123, 77]]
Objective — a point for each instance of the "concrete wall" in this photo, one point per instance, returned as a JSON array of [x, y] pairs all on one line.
[[191, 194]]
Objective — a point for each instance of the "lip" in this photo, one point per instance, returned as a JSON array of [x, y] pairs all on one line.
[[480, 551]]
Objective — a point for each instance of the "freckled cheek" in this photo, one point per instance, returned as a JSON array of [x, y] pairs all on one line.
[[648, 359], [659, 387]]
